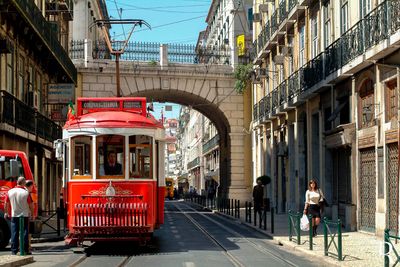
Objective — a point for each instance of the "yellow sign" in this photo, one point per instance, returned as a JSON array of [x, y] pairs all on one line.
[[241, 45]]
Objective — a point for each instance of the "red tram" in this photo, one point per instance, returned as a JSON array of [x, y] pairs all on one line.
[[113, 159]]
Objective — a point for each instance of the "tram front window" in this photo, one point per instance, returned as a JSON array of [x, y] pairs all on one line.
[[111, 155], [81, 158], [140, 157]]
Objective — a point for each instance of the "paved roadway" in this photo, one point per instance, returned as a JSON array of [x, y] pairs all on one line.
[[188, 238]]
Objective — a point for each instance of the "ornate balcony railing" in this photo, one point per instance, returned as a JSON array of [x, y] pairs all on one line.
[[255, 112], [16, 113], [193, 163], [274, 22], [261, 108], [212, 143], [292, 4], [267, 104], [34, 17], [150, 51], [283, 92], [282, 12], [378, 25]]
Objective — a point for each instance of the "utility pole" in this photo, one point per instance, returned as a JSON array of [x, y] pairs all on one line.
[[119, 51]]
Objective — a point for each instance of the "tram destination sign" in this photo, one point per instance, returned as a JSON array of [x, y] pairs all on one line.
[[110, 104]]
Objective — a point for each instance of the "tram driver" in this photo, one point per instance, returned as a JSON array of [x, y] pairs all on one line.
[[111, 167]]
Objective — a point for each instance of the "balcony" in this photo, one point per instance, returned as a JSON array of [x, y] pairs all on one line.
[[31, 14], [58, 7], [210, 144], [19, 118], [345, 56]]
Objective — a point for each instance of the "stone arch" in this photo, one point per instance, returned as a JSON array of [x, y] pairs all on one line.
[[212, 112]]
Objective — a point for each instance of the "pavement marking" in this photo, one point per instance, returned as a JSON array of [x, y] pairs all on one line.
[[78, 261], [189, 264]]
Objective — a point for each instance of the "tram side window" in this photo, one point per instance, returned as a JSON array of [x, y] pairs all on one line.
[[5, 169], [81, 158], [140, 157], [111, 155]]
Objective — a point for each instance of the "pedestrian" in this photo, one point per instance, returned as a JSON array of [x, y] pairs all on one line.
[[21, 206], [314, 196], [258, 195]]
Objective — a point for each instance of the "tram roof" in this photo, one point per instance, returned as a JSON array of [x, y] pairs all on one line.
[[112, 112]]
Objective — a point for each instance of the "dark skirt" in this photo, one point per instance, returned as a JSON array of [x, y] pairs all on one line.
[[314, 210]]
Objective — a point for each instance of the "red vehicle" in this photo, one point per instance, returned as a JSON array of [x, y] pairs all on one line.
[[113, 158], [13, 164]]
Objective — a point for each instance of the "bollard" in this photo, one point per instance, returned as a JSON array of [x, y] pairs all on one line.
[[310, 231], [238, 209], [339, 230], [386, 264], [290, 225], [21, 236], [58, 222], [250, 212], [325, 238], [272, 220], [246, 211], [232, 208], [298, 228], [235, 214]]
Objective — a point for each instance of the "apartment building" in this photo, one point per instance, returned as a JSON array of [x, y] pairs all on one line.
[[34, 66], [326, 106], [227, 20]]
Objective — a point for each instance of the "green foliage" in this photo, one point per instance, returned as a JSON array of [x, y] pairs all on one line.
[[242, 75], [265, 179], [153, 63]]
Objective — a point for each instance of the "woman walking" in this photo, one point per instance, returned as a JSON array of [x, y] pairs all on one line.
[[314, 196]]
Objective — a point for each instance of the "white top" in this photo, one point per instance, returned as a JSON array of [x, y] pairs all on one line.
[[313, 197], [18, 197]]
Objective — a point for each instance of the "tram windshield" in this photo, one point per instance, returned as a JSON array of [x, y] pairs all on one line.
[[110, 150]]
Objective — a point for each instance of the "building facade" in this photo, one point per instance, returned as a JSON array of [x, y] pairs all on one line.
[[226, 21], [34, 41], [326, 106]]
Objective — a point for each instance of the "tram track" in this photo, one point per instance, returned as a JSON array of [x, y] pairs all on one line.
[[256, 246], [81, 260]]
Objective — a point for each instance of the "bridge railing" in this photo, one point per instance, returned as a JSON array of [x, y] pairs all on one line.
[[151, 52]]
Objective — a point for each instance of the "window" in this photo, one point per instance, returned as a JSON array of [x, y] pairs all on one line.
[[301, 47], [250, 17], [111, 159], [327, 24], [290, 56], [10, 76], [344, 16], [21, 70], [39, 90], [81, 157], [391, 95], [140, 157], [314, 36], [5, 169], [365, 8], [366, 103]]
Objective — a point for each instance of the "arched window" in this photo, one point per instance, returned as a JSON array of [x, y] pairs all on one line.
[[366, 105]]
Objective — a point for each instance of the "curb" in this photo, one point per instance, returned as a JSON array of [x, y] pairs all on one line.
[[11, 260], [327, 261]]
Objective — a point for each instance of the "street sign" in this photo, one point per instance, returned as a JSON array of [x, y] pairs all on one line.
[[59, 93]]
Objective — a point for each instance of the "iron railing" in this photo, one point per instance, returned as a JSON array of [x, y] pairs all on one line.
[[34, 17], [282, 12], [16, 113], [150, 51], [292, 4], [379, 24], [213, 142]]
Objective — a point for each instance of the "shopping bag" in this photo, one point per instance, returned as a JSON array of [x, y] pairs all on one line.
[[304, 223]]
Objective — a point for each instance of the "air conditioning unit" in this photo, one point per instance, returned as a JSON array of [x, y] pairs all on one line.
[[279, 59], [256, 17], [263, 8], [33, 99], [287, 51], [282, 149], [261, 72]]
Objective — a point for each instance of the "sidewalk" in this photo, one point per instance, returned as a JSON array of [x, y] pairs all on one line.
[[48, 235], [359, 249]]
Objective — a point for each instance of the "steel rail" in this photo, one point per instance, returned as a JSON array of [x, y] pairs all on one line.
[[253, 244], [235, 261]]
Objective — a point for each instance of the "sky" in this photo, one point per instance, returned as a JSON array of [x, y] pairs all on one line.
[[172, 21]]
